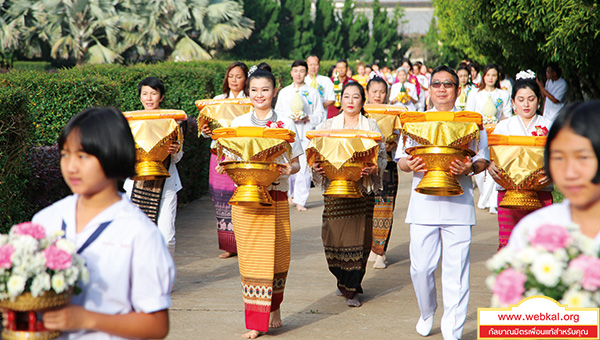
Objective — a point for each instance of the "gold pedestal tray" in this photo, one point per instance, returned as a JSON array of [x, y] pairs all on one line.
[[25, 303], [344, 181], [521, 199], [252, 180], [23, 335], [438, 180], [149, 165]]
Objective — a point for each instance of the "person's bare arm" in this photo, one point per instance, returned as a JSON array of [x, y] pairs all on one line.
[[132, 325]]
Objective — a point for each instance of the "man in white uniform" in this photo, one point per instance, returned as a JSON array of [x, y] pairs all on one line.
[[319, 82], [442, 225], [555, 91], [303, 105]]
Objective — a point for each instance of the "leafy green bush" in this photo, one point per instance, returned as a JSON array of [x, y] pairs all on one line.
[[44, 102], [15, 137]]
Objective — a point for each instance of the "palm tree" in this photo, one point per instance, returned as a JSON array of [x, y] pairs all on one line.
[[80, 29], [184, 29]]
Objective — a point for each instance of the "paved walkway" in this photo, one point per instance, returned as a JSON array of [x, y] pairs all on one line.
[[207, 298]]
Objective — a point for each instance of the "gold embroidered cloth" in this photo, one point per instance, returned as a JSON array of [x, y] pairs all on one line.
[[149, 133], [221, 115], [200, 104], [338, 150], [446, 116], [252, 143], [522, 164], [520, 158], [155, 114], [516, 140], [387, 118], [441, 133]]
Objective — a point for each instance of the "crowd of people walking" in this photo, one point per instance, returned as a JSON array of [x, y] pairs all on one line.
[[355, 231]]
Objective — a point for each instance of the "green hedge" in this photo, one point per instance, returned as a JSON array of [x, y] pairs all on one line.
[[15, 136], [44, 101]]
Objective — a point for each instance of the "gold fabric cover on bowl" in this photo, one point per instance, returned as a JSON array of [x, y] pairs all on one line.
[[442, 116], [252, 180], [202, 103], [221, 115], [343, 154], [438, 180], [254, 151], [520, 160], [152, 140], [155, 114], [387, 118]]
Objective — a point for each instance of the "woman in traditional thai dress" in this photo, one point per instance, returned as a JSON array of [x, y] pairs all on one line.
[[263, 234], [220, 186], [348, 222], [494, 104], [385, 199], [528, 121], [571, 161], [464, 81]]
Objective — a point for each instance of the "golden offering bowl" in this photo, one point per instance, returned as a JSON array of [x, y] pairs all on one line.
[[252, 180], [525, 195], [22, 311], [438, 180], [149, 165], [344, 181]]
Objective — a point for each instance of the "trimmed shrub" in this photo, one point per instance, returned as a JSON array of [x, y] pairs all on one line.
[[43, 102], [15, 138]]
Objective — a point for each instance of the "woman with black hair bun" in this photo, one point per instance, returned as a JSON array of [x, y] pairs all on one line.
[[527, 121], [348, 222], [221, 187]]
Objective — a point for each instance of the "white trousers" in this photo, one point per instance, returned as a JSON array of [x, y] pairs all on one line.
[[300, 183], [427, 243], [488, 194], [166, 217]]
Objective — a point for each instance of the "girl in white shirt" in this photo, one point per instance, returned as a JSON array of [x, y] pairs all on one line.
[[131, 271], [494, 104], [571, 160]]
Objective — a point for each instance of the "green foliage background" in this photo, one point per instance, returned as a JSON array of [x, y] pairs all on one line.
[[35, 105]]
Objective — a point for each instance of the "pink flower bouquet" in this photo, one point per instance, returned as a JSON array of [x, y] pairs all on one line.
[[31, 261], [558, 262]]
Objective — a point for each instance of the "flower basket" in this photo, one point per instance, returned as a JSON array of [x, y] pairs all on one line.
[[37, 272], [26, 301]]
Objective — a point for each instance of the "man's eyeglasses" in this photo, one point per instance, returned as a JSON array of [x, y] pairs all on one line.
[[447, 84]]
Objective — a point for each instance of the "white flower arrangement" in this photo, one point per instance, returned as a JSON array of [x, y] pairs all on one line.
[[559, 262], [32, 262]]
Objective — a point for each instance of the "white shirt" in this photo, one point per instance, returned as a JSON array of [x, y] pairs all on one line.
[[558, 89], [297, 150], [325, 87], [500, 98], [444, 210], [514, 126], [130, 267], [411, 89], [555, 214], [313, 108], [224, 96]]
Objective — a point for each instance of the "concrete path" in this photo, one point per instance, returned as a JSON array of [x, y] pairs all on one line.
[[207, 298]]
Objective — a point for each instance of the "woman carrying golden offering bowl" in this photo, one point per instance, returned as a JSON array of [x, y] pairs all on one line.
[[348, 222]]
